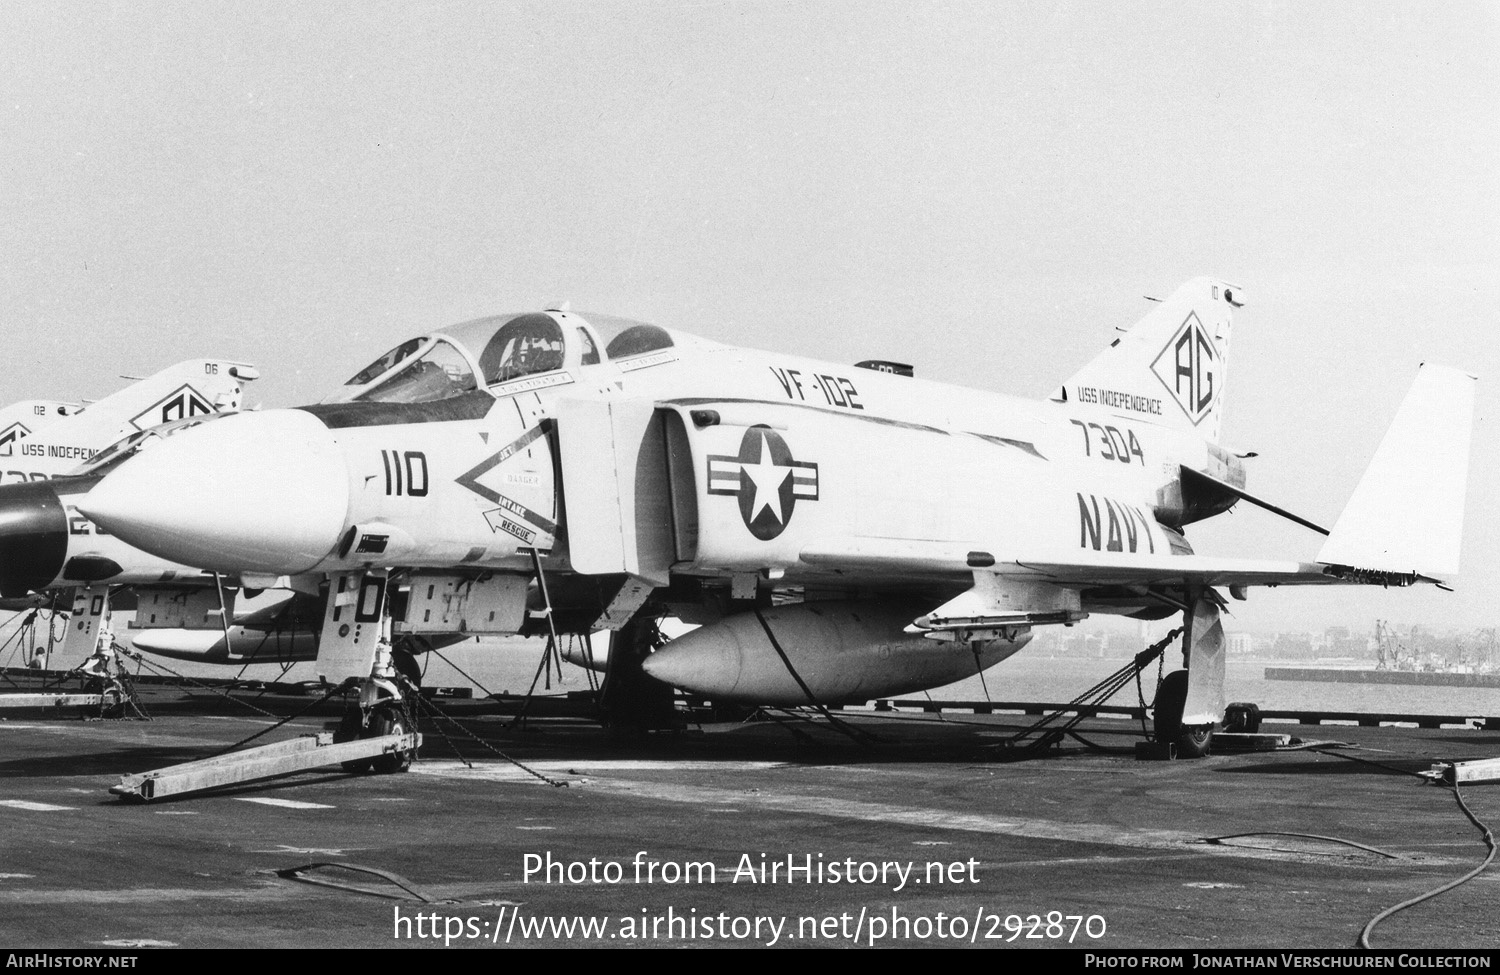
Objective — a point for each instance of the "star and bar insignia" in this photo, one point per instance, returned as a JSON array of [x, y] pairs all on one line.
[[765, 479]]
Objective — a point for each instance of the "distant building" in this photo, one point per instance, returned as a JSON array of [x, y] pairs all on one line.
[[1292, 646], [1339, 642], [1240, 644]]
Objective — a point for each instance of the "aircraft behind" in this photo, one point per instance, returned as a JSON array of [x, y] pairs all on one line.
[[195, 388], [20, 420], [49, 552]]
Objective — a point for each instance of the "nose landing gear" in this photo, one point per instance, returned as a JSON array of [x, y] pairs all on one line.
[[384, 709]]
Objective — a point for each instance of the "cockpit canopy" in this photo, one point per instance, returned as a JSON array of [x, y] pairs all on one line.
[[490, 352], [523, 346]]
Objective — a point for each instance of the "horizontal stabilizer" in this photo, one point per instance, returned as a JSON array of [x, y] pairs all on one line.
[[1216, 484], [1407, 513]]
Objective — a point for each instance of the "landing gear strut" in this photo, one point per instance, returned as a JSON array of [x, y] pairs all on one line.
[[102, 675], [632, 701], [383, 709], [1190, 701]]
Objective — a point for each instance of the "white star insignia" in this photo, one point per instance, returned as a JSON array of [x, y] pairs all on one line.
[[768, 478]]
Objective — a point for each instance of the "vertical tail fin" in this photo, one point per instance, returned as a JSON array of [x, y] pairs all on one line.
[[20, 420], [197, 387], [1170, 367]]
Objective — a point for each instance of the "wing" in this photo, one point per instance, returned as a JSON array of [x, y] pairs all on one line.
[[937, 562], [1052, 587]]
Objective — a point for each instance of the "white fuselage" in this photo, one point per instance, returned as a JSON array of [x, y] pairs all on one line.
[[846, 454]]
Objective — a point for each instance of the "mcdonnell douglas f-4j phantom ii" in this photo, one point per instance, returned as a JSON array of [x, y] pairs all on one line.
[[583, 472]]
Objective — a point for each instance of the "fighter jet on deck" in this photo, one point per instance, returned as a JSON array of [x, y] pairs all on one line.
[[49, 552], [38, 445], [44, 532], [840, 532]]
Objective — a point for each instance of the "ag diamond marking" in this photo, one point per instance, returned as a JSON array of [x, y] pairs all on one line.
[[1189, 367]]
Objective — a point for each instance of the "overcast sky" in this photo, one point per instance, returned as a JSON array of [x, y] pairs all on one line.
[[984, 189]]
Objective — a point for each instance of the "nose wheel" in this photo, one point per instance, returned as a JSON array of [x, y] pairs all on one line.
[[391, 720], [383, 709], [388, 718]]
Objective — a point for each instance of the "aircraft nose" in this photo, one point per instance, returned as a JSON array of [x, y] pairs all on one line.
[[33, 537], [253, 492]]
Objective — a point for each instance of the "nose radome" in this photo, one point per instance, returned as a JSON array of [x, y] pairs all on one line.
[[255, 492]]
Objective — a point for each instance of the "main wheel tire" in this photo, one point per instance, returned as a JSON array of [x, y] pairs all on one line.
[[1171, 698]]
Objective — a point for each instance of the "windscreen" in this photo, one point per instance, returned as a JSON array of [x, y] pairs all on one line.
[[441, 372], [383, 364]]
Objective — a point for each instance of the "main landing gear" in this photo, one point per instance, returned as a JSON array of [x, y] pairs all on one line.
[[633, 702], [1190, 701], [1186, 741]]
